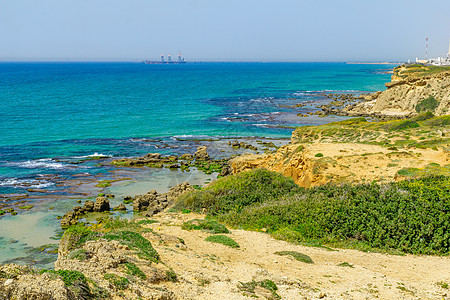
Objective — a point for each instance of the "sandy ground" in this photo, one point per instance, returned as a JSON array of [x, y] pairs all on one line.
[[213, 271]]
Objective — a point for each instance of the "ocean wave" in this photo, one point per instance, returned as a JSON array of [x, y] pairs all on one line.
[[46, 163], [25, 183], [93, 155]]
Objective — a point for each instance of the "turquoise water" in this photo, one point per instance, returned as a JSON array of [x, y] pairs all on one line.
[[55, 115]]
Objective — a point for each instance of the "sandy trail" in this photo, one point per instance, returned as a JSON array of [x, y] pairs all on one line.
[[213, 271]]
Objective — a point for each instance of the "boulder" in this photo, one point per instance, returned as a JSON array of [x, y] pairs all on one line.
[[88, 206], [101, 204], [187, 156], [69, 219], [201, 153], [121, 206], [141, 202]]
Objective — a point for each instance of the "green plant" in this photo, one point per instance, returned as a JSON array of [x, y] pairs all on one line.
[[222, 239], [428, 104], [134, 270], [297, 255], [319, 155], [79, 254], [135, 241], [206, 225], [119, 282], [442, 284], [171, 276], [345, 264], [407, 216], [250, 286]]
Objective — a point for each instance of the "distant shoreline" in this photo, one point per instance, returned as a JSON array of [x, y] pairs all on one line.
[[373, 63]]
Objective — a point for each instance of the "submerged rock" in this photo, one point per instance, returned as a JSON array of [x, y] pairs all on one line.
[[201, 153], [121, 206], [101, 204]]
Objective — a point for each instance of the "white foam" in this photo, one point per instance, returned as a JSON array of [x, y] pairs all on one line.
[[47, 163], [28, 183]]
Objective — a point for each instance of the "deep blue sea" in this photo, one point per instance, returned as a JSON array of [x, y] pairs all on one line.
[[54, 115]]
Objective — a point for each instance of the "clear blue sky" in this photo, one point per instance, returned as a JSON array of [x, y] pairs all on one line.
[[223, 30]]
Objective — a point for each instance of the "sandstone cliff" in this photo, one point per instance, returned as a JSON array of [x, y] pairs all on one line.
[[412, 89]]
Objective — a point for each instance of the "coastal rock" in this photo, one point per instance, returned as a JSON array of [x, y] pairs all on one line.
[[201, 153], [101, 204], [187, 156], [23, 283], [88, 206], [70, 218], [404, 93], [141, 202], [177, 190], [120, 207], [226, 170]]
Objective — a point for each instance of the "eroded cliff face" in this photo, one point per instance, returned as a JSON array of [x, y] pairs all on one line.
[[406, 91], [290, 160]]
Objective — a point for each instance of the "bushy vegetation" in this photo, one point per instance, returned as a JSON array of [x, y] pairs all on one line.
[[118, 282], [206, 225], [428, 104], [249, 287], [134, 270], [222, 239], [233, 193], [297, 255], [410, 216], [135, 241], [124, 231]]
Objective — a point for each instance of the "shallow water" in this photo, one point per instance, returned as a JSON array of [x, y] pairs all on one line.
[[62, 122]]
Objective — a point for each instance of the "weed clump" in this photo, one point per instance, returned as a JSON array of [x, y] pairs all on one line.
[[119, 282], [134, 270], [249, 287], [222, 239], [428, 104], [206, 225], [297, 255], [135, 241]]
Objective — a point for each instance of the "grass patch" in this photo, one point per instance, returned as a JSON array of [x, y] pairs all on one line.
[[171, 276], [442, 284], [222, 239], [345, 264], [134, 270], [297, 255], [79, 254], [136, 242], [249, 287], [118, 282], [429, 104], [206, 225]]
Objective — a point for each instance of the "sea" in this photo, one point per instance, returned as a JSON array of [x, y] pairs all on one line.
[[61, 123]]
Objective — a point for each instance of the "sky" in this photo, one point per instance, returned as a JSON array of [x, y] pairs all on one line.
[[223, 30]]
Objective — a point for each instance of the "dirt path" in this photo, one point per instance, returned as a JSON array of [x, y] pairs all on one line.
[[213, 271]]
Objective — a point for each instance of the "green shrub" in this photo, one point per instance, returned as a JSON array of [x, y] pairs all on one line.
[[222, 239], [119, 282], [206, 225], [428, 104], [171, 276], [135, 241], [134, 270], [297, 255], [345, 264], [79, 254], [250, 286], [319, 155], [232, 193], [411, 216]]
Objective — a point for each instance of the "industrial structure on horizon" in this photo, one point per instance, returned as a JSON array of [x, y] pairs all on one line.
[[439, 61], [180, 60]]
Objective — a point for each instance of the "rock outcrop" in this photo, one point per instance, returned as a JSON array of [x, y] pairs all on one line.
[[153, 202], [201, 154], [405, 93]]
